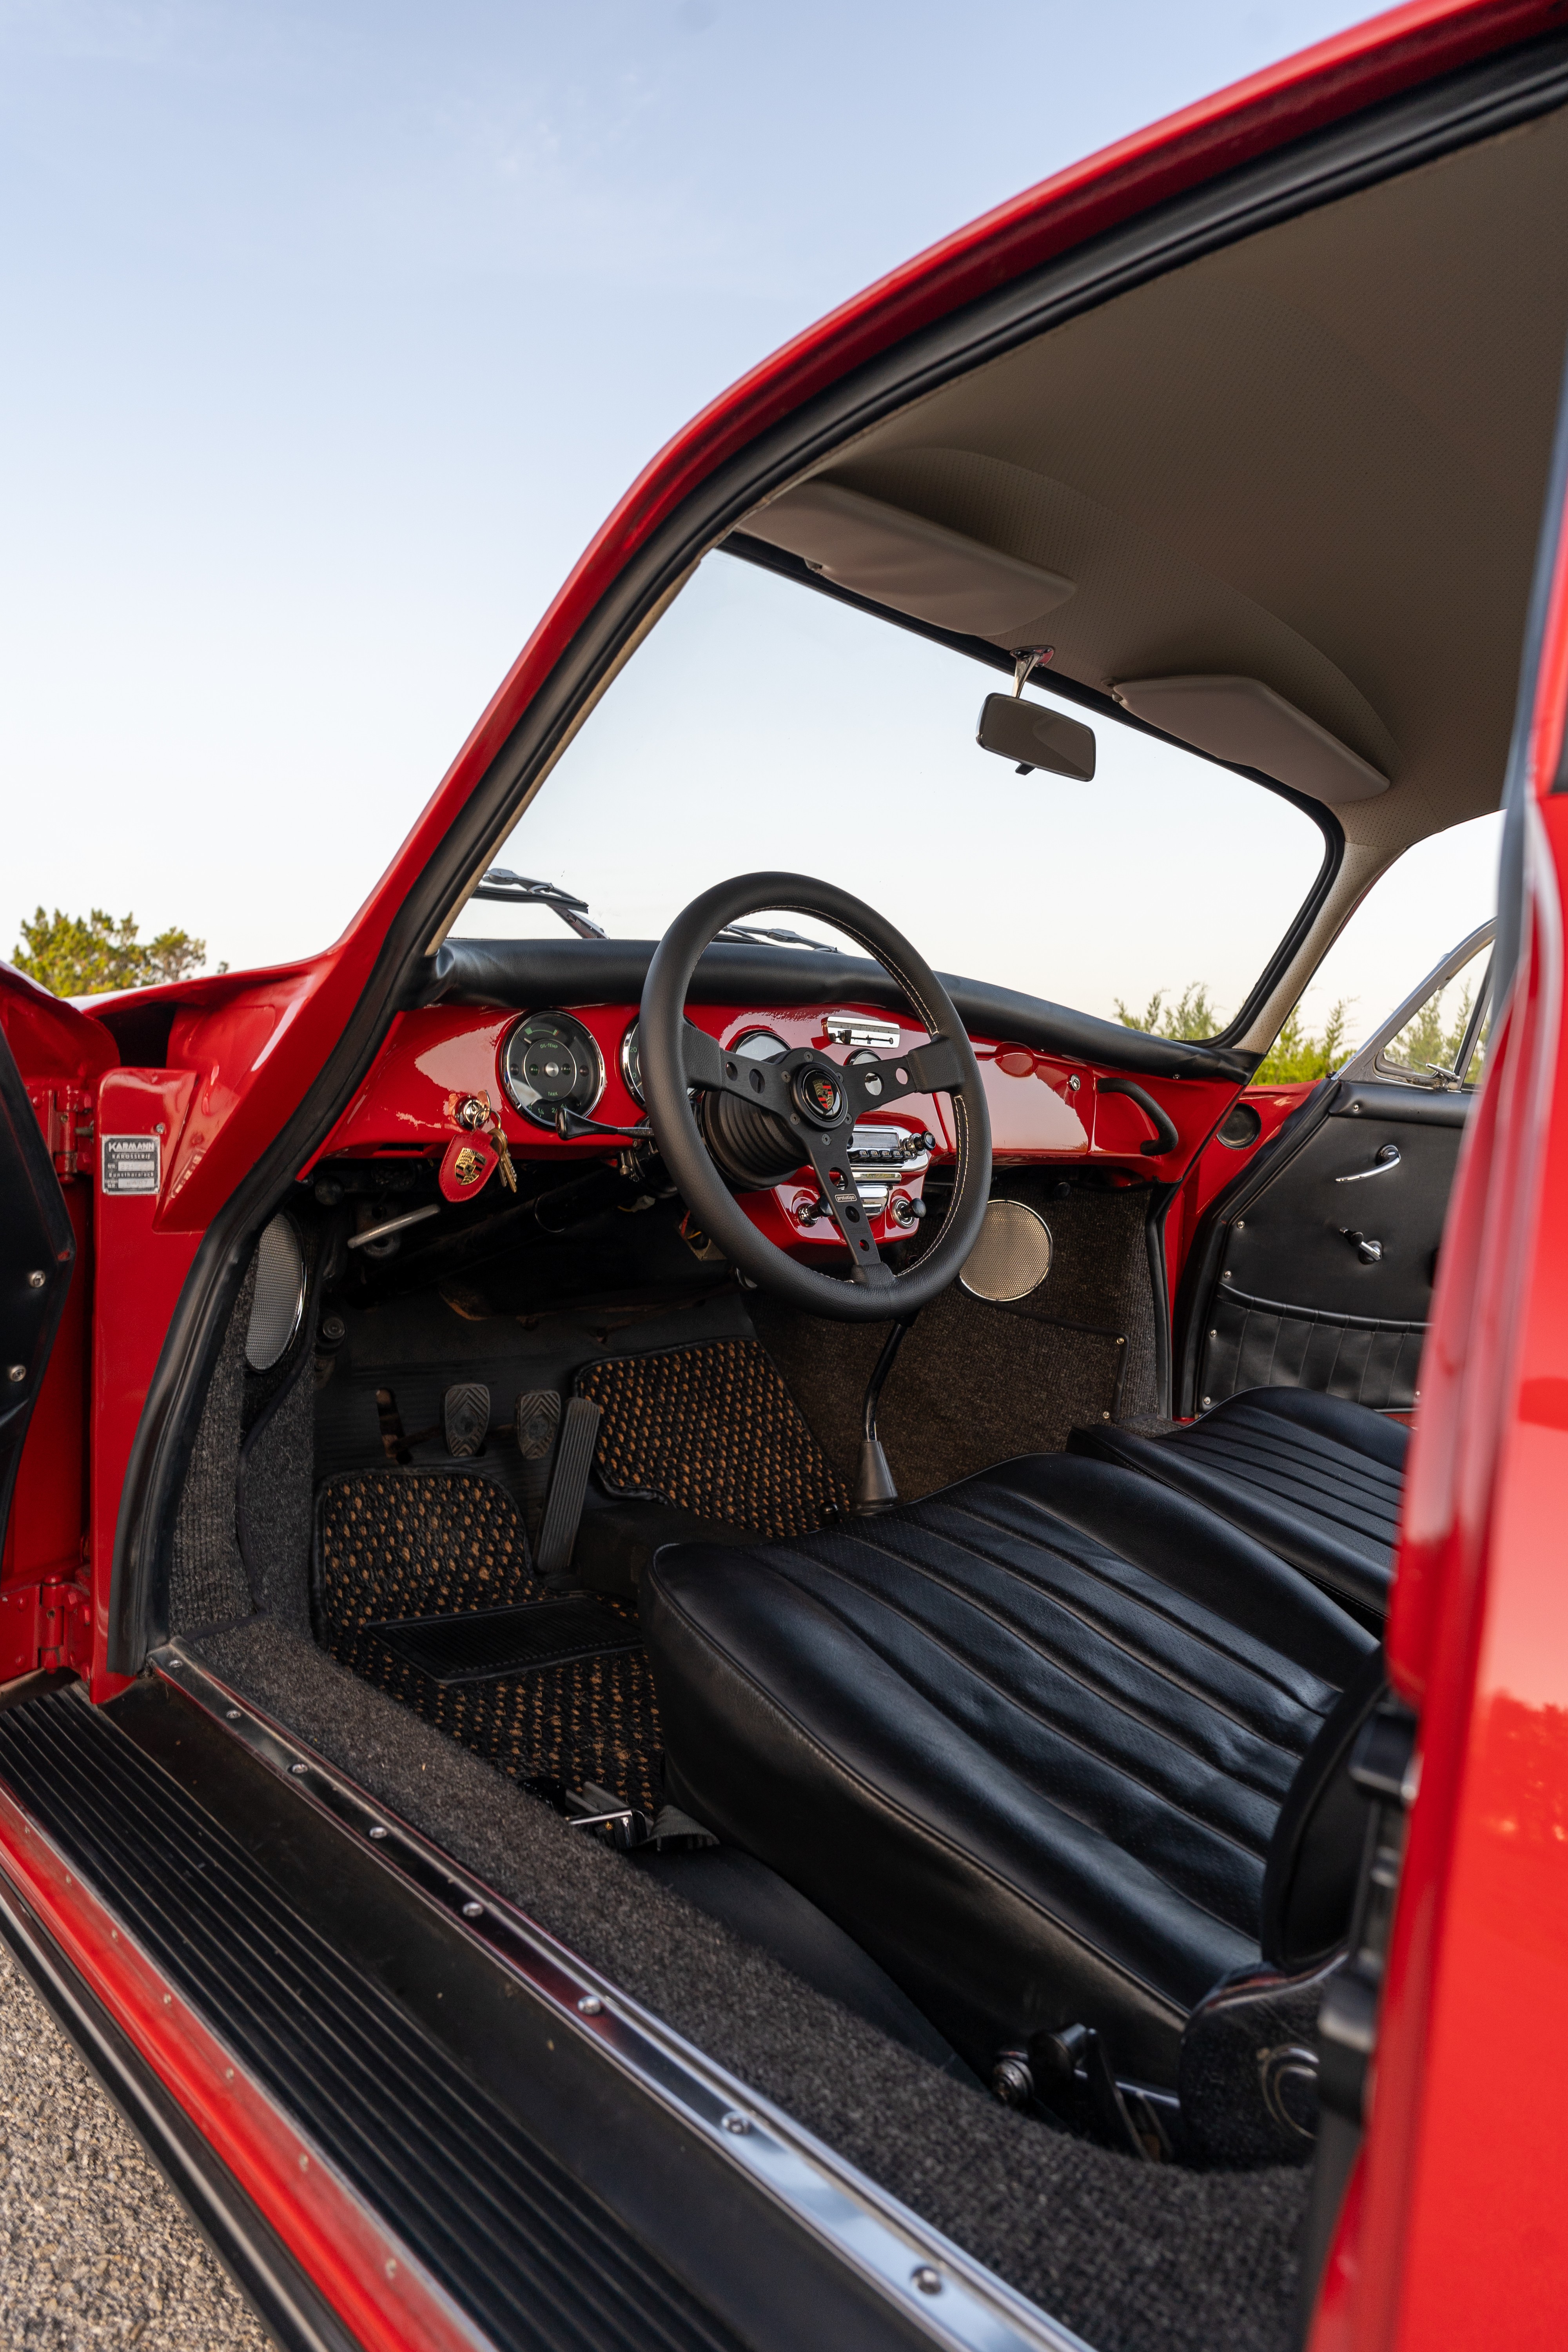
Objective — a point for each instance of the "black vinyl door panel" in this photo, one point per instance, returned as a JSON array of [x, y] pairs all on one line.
[[1314, 1270]]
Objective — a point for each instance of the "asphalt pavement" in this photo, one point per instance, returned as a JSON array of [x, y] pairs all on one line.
[[94, 2247]]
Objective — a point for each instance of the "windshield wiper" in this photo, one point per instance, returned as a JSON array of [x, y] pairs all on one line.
[[506, 889], [748, 934], [509, 889]]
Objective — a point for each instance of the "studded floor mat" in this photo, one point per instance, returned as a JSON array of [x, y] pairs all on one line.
[[399, 1543], [713, 1430]]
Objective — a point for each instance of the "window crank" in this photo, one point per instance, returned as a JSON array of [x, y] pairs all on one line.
[[1369, 1253]]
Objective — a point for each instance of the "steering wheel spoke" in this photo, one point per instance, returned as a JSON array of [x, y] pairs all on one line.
[[765, 1084], [934, 1070], [828, 1152], [702, 1057]]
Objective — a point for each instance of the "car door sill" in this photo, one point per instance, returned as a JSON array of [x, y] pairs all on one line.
[[689, 2159]]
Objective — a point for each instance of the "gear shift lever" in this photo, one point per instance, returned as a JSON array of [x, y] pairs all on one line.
[[874, 1487]]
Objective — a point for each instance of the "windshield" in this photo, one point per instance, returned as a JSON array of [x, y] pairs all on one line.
[[763, 726]]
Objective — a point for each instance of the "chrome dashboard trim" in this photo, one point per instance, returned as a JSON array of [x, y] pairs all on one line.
[[628, 1060], [861, 1029]]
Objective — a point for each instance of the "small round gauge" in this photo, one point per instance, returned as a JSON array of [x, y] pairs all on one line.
[[551, 1060], [758, 1046], [631, 1066]]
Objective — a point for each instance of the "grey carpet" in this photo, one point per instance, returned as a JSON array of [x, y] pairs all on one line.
[[975, 1384], [207, 1575], [273, 1513], [1135, 2258]]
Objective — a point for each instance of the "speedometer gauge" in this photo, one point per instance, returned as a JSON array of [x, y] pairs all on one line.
[[551, 1061]]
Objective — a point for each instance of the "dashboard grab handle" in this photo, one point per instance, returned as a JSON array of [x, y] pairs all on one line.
[[1165, 1138]]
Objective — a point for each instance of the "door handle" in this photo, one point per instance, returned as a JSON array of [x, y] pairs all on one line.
[[1387, 1158]]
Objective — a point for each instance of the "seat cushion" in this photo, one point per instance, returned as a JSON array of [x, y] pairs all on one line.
[[1315, 1478], [1025, 1739]]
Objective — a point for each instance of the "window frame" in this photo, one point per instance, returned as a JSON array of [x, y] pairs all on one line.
[[1368, 1060]]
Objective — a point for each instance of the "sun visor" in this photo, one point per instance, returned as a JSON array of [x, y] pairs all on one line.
[[918, 567], [1245, 721]]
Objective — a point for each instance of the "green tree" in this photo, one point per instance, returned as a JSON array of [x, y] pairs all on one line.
[[1428, 1041], [1298, 1055], [73, 958], [1194, 1015]]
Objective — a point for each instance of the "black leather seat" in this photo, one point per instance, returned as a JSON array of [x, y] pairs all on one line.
[[1315, 1478], [1026, 1740]]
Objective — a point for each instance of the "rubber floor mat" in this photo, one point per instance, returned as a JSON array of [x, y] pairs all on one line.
[[398, 1544], [491, 1643], [713, 1430]]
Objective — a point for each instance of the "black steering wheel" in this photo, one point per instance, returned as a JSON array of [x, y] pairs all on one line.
[[756, 1122]]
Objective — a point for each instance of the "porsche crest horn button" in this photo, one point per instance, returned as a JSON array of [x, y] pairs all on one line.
[[819, 1093]]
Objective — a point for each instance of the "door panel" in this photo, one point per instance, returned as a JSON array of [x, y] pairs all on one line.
[[52, 1057], [1315, 1269], [37, 1249]]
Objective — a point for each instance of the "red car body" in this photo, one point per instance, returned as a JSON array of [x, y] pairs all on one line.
[[1454, 2227]]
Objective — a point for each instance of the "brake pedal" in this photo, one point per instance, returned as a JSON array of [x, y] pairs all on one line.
[[569, 1486], [536, 1424], [466, 1418]]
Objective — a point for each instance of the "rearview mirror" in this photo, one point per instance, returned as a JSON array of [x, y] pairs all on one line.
[[1034, 737]]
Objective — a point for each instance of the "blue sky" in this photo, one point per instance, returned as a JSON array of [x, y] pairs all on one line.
[[335, 332]]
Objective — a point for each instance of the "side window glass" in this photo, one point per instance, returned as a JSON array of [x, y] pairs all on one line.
[[1446, 1039]]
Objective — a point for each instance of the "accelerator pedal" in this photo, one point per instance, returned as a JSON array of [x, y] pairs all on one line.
[[466, 1418], [568, 1487]]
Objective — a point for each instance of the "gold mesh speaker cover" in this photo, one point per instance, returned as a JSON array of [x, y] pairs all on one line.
[[1013, 1255]]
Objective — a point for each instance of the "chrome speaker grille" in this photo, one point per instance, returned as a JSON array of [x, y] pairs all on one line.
[[279, 1298]]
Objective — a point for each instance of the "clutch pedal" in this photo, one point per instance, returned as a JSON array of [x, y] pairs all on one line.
[[466, 1419]]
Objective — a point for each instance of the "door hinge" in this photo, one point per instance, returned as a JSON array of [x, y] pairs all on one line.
[[65, 1627], [65, 1115], [46, 1625]]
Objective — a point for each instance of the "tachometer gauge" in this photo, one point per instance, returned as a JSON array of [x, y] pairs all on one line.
[[551, 1060], [758, 1046]]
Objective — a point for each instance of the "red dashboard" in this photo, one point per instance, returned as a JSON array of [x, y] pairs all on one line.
[[1045, 1107]]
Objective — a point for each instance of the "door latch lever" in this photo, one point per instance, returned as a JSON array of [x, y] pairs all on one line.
[[1387, 1158]]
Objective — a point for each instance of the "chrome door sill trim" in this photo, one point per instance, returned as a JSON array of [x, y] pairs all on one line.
[[953, 2298]]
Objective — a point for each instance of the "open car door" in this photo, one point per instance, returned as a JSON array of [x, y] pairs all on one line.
[[1313, 1265], [51, 1058]]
